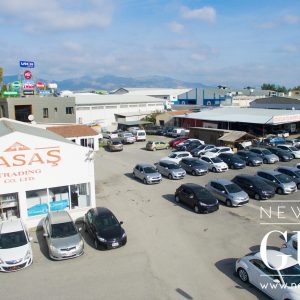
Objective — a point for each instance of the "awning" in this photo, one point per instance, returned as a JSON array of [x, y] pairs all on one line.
[[133, 123], [233, 136]]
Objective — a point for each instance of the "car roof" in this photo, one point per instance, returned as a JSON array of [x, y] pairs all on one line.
[[271, 172], [193, 186], [222, 181], [275, 259], [247, 176], [293, 169], [222, 147], [101, 211], [180, 152], [143, 165], [58, 217], [168, 162], [11, 226]]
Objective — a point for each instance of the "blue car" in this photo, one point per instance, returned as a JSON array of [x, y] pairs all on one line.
[[275, 140]]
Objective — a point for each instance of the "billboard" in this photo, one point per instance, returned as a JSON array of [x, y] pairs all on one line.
[[26, 64]]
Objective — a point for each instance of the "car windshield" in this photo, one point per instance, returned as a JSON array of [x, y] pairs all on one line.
[[233, 188], [197, 162], [62, 230], [291, 275], [128, 134], [116, 143], [173, 166], [266, 152], [12, 239], [173, 155], [293, 149], [201, 147], [214, 150], [149, 170], [203, 194], [216, 159], [106, 221], [283, 178], [141, 133], [260, 183]]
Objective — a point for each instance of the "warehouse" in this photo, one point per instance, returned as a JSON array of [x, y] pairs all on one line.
[[38, 174], [255, 121]]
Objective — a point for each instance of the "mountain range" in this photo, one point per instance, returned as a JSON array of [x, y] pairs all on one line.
[[111, 82]]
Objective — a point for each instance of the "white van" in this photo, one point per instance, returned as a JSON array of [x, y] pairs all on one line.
[[178, 132], [139, 134]]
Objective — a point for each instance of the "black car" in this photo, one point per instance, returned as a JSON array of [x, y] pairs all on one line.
[[254, 186], [293, 172], [194, 166], [233, 161], [282, 154], [104, 228], [196, 197], [188, 146], [250, 158]]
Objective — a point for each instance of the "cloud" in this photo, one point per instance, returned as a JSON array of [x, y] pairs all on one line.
[[72, 46], [39, 16], [282, 20], [291, 19], [176, 27], [206, 13]]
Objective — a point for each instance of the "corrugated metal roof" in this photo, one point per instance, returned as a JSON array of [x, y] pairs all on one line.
[[156, 91], [277, 100], [246, 115], [233, 136], [95, 99], [8, 126], [132, 123]]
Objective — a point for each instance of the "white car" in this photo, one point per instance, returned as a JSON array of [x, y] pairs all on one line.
[[177, 156], [214, 164], [15, 246], [277, 284], [218, 150], [291, 247], [292, 149]]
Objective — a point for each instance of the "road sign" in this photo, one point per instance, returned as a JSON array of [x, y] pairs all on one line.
[[26, 64]]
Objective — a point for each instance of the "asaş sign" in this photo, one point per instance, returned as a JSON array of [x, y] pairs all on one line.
[[27, 75], [26, 64]]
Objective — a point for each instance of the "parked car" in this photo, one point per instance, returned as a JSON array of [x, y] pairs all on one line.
[[188, 144], [233, 161], [282, 154], [295, 152], [177, 141], [114, 145], [194, 166], [267, 156], [177, 156], [214, 164], [254, 186], [196, 197], [217, 151], [178, 132], [250, 158], [293, 172], [228, 192], [281, 182], [153, 130], [126, 137], [291, 247], [294, 142], [139, 134], [274, 140], [156, 145], [147, 173], [170, 169], [15, 246], [62, 236], [197, 152], [277, 282], [169, 131], [104, 228], [110, 135]]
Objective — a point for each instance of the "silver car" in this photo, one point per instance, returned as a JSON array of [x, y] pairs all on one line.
[[62, 236], [267, 156], [170, 169], [283, 183], [147, 173], [228, 192]]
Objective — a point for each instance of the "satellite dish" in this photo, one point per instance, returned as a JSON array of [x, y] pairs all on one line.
[[30, 117]]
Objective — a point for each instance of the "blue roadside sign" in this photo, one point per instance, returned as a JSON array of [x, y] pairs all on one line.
[[26, 64]]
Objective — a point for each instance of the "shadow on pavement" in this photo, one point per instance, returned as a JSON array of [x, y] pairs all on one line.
[[42, 243]]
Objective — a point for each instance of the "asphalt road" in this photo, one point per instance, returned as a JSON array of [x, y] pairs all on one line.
[[172, 253]]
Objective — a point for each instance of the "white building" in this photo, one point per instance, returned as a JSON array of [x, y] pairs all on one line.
[[105, 110], [42, 171]]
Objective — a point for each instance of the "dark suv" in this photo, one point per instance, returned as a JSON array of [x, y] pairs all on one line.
[[233, 161], [254, 186]]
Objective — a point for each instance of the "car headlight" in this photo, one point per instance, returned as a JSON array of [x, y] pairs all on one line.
[[101, 239], [203, 204], [147, 177], [27, 255], [1, 261], [53, 249], [124, 235]]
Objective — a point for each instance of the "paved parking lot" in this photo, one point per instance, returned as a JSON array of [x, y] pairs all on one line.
[[172, 253]]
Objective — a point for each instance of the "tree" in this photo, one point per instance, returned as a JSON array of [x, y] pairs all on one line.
[[296, 88], [273, 87], [152, 117]]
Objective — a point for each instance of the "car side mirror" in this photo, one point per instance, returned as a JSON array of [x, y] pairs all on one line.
[[121, 223], [45, 235]]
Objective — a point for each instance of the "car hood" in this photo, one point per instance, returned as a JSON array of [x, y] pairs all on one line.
[[14, 253], [196, 168], [239, 195], [220, 165], [179, 170], [211, 154], [66, 242], [110, 233], [271, 156], [156, 174]]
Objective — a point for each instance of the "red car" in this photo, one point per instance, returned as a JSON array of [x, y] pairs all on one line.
[[177, 141]]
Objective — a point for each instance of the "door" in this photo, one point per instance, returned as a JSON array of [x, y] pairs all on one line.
[[89, 222], [219, 191], [190, 198]]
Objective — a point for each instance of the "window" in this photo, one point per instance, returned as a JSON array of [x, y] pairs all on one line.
[[97, 107], [80, 195], [37, 202], [70, 110], [87, 142], [261, 266], [45, 113]]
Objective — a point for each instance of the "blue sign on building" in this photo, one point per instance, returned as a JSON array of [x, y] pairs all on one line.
[[26, 64]]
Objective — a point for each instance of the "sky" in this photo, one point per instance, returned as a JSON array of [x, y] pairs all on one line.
[[236, 43]]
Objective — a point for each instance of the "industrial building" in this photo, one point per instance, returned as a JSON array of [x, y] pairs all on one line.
[[277, 103]]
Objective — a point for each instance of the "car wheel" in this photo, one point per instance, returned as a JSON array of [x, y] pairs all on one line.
[[214, 170], [193, 173], [265, 161], [256, 197], [196, 209], [298, 186], [293, 155], [170, 176], [177, 199], [280, 191], [243, 275], [145, 181], [96, 244], [231, 167], [228, 203]]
